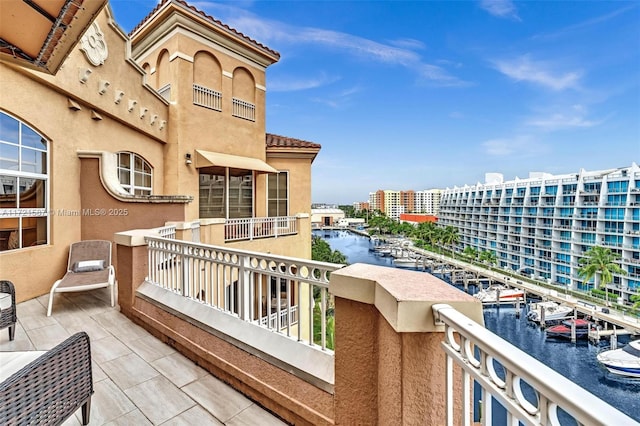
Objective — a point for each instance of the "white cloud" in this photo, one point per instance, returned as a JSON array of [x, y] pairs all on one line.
[[574, 117], [398, 52], [522, 146], [500, 8], [291, 84], [540, 73]]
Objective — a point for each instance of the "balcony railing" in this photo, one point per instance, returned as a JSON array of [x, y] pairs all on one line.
[[208, 98], [260, 227], [255, 287], [243, 109], [507, 374]]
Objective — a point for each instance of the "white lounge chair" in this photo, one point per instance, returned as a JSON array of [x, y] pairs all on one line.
[[89, 267]]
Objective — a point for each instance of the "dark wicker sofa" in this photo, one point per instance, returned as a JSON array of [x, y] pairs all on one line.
[[51, 388]]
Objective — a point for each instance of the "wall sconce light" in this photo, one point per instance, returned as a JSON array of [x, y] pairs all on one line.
[[187, 159]]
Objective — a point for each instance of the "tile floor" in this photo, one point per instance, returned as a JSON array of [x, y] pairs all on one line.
[[138, 380]]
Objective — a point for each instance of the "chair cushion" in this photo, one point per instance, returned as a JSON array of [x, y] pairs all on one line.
[[89, 265], [11, 362], [5, 301]]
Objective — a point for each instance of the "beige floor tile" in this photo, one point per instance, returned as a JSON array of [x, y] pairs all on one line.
[[107, 349], [73, 421], [179, 369], [134, 418], [21, 341], [89, 326], [137, 378], [254, 415], [159, 399], [194, 416], [118, 325], [128, 371], [108, 403], [149, 348], [45, 338], [98, 374], [216, 397]]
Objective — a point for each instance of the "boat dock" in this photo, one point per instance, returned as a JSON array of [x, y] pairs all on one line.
[[460, 271]]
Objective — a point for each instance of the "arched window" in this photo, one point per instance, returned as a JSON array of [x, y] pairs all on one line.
[[24, 182], [135, 174]]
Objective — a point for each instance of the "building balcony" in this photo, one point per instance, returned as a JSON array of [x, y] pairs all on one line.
[[219, 231], [261, 323]]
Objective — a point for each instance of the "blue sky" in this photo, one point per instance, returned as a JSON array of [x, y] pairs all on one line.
[[431, 94]]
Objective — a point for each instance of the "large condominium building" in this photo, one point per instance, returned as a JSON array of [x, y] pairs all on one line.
[[543, 225], [388, 202], [428, 201], [394, 203]]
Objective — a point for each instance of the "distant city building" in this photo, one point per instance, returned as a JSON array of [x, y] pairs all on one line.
[[359, 206], [544, 224], [326, 217], [428, 201], [392, 203]]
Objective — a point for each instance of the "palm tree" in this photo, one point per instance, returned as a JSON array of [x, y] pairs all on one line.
[[599, 264], [450, 237], [488, 257], [471, 252]]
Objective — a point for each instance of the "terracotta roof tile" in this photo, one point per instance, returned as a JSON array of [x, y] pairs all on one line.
[[277, 141], [209, 18]]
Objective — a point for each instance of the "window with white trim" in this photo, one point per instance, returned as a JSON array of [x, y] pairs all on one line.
[[278, 194], [135, 174], [24, 182]]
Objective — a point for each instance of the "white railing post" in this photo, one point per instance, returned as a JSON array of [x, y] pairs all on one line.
[[245, 288], [183, 261]]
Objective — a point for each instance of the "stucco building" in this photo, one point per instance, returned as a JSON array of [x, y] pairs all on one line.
[[102, 132]]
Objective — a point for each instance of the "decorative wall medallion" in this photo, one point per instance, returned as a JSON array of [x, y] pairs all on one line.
[[94, 45]]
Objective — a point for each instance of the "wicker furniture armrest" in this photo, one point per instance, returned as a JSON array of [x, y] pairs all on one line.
[[8, 317], [50, 389]]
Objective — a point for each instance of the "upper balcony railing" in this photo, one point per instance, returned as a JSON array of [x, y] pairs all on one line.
[[244, 109], [259, 227], [208, 98]]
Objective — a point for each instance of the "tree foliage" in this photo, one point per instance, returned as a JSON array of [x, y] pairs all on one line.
[[322, 252], [599, 264]]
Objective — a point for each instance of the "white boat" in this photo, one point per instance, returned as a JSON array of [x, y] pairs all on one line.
[[551, 311], [404, 262], [624, 361], [504, 294]]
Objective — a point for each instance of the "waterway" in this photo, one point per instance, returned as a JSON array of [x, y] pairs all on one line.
[[576, 361]]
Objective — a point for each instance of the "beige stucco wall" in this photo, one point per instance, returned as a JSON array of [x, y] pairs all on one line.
[[195, 127], [41, 101]]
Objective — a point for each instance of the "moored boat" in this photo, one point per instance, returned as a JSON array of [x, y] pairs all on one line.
[[564, 330], [404, 262], [499, 294], [624, 361], [549, 311]]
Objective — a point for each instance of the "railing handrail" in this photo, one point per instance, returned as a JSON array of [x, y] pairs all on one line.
[[323, 282], [243, 284], [553, 390]]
